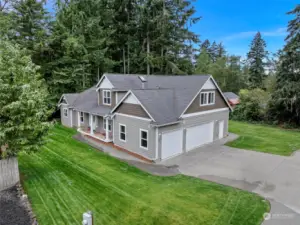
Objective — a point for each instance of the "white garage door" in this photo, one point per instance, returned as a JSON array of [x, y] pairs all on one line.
[[199, 135], [171, 144]]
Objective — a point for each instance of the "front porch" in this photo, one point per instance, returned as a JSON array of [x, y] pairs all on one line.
[[98, 127]]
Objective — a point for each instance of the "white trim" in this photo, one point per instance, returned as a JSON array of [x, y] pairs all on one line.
[[120, 124], [130, 92], [66, 116], [207, 93], [104, 127], [82, 117], [71, 117], [99, 82], [103, 96], [204, 112], [135, 117], [144, 139], [156, 143], [199, 93], [113, 130], [63, 96]]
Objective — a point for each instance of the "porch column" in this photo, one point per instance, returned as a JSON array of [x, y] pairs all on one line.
[[106, 130], [91, 124], [78, 119]]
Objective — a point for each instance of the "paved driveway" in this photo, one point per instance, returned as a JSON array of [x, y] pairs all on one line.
[[274, 177]]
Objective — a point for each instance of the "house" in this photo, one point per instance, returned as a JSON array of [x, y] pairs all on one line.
[[156, 117], [232, 98]]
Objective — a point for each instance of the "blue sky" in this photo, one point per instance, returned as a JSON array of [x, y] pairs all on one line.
[[235, 22]]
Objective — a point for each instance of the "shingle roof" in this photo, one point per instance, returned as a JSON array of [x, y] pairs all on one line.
[[132, 82], [230, 95], [87, 101], [71, 98], [164, 97]]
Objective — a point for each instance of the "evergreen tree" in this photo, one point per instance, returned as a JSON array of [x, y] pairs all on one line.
[[23, 102], [203, 62], [213, 51], [205, 45], [221, 52], [285, 104], [30, 25], [255, 58]]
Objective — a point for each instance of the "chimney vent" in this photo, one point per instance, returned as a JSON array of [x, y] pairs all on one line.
[[143, 80]]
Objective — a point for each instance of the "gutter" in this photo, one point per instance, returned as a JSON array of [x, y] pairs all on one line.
[[166, 124]]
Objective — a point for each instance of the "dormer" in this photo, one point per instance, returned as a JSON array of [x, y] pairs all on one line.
[[105, 93]]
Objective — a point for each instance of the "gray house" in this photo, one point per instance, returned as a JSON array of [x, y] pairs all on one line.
[[156, 117]]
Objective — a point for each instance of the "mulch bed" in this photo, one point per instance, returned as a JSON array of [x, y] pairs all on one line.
[[13, 208]]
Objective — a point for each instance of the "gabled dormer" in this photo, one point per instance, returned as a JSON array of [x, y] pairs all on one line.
[[107, 94]]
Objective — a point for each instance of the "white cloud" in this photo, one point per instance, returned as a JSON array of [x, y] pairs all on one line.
[[275, 33]]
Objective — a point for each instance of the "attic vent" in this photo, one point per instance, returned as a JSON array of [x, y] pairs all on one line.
[[143, 79]]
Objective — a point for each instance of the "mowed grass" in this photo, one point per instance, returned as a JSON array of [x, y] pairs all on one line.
[[264, 138], [67, 178]]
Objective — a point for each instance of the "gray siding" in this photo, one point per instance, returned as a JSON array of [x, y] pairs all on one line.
[[66, 121], [121, 95], [194, 121], [132, 143]]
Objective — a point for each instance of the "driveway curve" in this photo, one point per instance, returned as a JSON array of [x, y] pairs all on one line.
[[274, 177]]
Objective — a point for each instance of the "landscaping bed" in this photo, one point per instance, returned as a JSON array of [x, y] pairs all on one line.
[[67, 178]]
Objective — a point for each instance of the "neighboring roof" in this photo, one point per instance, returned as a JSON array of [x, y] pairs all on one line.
[[230, 95]]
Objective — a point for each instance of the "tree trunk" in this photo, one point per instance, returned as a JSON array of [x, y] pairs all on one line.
[[148, 53], [128, 59]]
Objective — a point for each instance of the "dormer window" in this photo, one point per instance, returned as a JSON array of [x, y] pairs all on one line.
[[106, 97], [207, 98]]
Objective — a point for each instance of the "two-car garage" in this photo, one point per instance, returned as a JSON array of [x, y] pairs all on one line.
[[174, 142]]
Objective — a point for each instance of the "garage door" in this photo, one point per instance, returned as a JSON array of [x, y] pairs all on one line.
[[171, 144], [199, 135]]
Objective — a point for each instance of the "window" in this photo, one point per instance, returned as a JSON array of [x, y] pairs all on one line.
[[106, 97], [104, 124], [65, 112], [144, 139], [122, 132], [207, 98], [81, 117]]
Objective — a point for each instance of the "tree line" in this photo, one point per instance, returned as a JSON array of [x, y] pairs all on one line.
[[44, 55]]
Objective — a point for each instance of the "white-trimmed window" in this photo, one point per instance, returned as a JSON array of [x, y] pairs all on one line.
[[122, 131], [144, 139], [207, 98], [65, 112], [106, 97], [81, 117], [109, 124]]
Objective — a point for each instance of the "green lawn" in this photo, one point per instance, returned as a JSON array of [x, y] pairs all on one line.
[[264, 138], [68, 178]]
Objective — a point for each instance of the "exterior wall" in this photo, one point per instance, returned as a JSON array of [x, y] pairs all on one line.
[[133, 126], [66, 121], [195, 106], [75, 118], [121, 95], [132, 109], [194, 121]]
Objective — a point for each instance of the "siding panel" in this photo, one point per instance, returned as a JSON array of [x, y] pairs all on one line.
[[195, 106], [132, 109]]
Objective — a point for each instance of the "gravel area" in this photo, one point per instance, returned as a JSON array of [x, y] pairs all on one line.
[[13, 210]]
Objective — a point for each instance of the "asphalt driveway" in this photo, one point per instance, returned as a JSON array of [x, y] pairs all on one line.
[[274, 177]]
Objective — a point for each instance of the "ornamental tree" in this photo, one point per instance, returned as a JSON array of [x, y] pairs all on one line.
[[23, 107]]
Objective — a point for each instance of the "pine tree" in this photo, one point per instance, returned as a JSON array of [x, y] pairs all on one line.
[[203, 62], [285, 104], [255, 58], [213, 51], [221, 52], [205, 45], [23, 102]]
